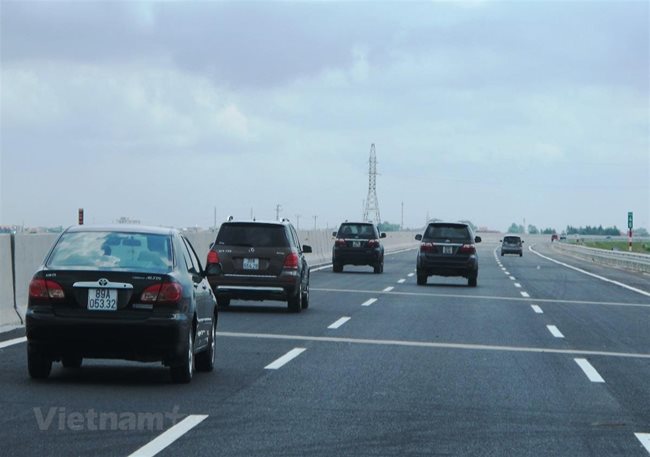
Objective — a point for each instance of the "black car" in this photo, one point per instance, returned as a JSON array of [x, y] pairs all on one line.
[[135, 293], [447, 249], [358, 243], [258, 260]]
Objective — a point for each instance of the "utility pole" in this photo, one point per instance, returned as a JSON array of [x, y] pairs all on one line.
[[371, 210], [252, 214], [297, 221], [315, 219], [401, 226], [278, 207], [215, 218]]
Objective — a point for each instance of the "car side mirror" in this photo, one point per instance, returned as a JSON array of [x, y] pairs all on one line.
[[477, 239], [334, 234], [306, 249], [383, 235], [500, 241], [522, 241], [213, 269], [418, 237]]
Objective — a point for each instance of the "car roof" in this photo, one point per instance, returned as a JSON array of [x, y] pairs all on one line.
[[126, 228], [460, 224], [258, 221]]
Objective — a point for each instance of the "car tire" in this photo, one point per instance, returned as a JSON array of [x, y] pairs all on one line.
[[305, 295], [472, 281], [205, 359], [71, 361], [521, 254], [378, 268], [182, 374], [501, 253], [295, 303], [422, 279], [38, 364], [223, 302], [337, 267]]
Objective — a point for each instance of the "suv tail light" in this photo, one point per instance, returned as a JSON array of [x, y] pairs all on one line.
[[428, 247], [213, 257], [291, 261], [467, 249], [45, 288], [340, 243], [166, 293], [373, 243]]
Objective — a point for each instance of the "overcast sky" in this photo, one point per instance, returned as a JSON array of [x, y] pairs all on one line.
[[494, 112]]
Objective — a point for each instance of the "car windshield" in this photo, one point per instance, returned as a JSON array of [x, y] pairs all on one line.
[[252, 235], [112, 250], [448, 232], [358, 231]]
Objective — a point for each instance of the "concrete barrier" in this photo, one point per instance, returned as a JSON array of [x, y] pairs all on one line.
[[8, 315]]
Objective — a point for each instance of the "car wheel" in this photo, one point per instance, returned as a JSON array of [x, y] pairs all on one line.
[[38, 365], [471, 281], [337, 267], [223, 302], [501, 253], [71, 361], [422, 279], [205, 359], [305, 295], [295, 302], [521, 254], [379, 268], [182, 374]]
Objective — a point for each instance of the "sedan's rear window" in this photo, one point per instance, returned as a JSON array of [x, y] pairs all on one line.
[[252, 235], [360, 231], [113, 250], [448, 232]]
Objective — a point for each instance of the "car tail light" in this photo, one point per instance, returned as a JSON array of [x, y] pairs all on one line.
[[45, 288], [467, 249], [164, 293], [213, 257], [291, 261], [373, 243], [340, 243], [427, 247]]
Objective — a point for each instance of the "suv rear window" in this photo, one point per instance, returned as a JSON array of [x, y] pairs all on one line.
[[511, 239], [447, 232], [361, 231], [252, 235]]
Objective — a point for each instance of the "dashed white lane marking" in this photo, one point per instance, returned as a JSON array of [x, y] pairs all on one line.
[[503, 268], [512, 278], [169, 436], [410, 275], [645, 440], [555, 331], [537, 309], [339, 322], [286, 358], [602, 278], [5, 344], [429, 344], [401, 281], [324, 267], [517, 285], [388, 289], [524, 294], [589, 370], [507, 272], [369, 302]]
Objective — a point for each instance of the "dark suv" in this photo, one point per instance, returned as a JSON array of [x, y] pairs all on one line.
[[253, 260], [512, 244], [447, 249], [357, 243]]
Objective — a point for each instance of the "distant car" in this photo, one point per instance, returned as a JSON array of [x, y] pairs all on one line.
[[134, 293], [257, 260], [554, 237], [358, 243], [512, 244], [447, 249]]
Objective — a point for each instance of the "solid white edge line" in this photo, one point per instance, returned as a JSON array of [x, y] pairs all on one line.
[[602, 278], [401, 281], [555, 331], [645, 440], [524, 294], [339, 322], [388, 289], [537, 309], [589, 370], [369, 302], [5, 344], [169, 436], [286, 358]]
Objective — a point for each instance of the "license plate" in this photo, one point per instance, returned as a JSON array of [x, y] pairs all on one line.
[[102, 299], [447, 250], [251, 264], [356, 244]]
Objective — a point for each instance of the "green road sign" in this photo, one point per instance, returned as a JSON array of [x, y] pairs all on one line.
[[630, 220]]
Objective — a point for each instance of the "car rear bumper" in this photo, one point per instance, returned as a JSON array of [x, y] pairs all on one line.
[[505, 250], [150, 339], [356, 256], [448, 267], [255, 288]]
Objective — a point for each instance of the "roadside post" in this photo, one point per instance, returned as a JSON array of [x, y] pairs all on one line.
[[630, 224]]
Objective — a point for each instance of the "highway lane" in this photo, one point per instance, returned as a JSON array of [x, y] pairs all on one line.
[[363, 389]]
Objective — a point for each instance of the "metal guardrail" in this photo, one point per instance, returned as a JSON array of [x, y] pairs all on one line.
[[630, 260]]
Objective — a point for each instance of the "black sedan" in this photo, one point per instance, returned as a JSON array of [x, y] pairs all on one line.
[[124, 292]]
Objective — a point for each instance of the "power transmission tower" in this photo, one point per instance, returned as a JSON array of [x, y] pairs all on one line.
[[278, 207], [371, 211]]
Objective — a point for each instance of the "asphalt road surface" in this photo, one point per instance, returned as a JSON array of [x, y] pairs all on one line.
[[539, 360]]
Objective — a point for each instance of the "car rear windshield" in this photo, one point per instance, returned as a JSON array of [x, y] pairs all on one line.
[[252, 235], [511, 239], [360, 231], [448, 232], [113, 250]]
